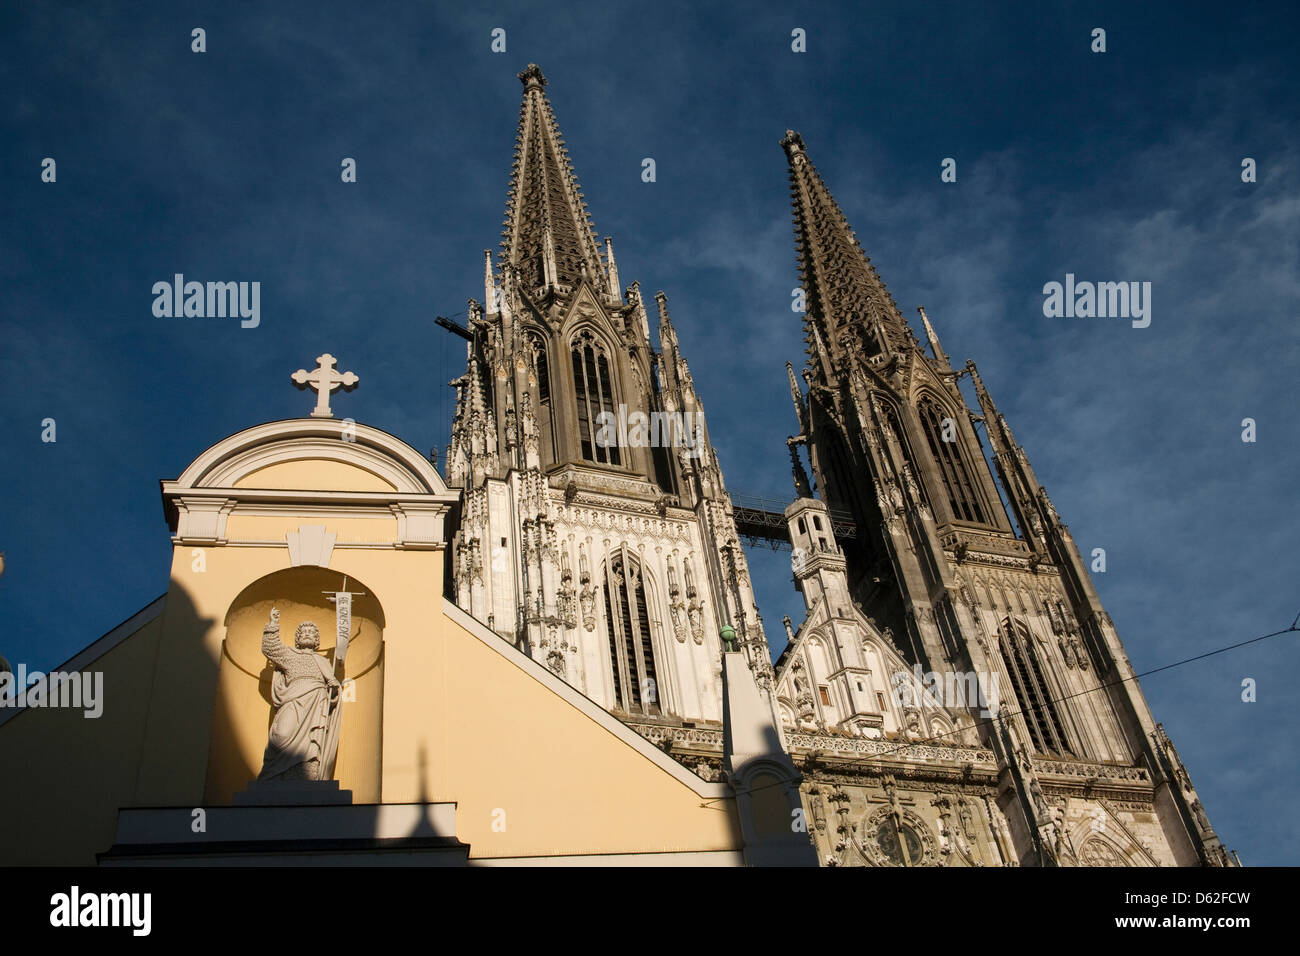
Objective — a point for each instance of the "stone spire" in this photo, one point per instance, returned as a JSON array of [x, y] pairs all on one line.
[[802, 488], [796, 396], [489, 284], [548, 237], [1014, 470], [847, 305], [940, 355], [612, 268], [678, 383]]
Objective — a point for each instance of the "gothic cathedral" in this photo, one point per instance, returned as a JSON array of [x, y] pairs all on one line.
[[956, 695], [611, 557]]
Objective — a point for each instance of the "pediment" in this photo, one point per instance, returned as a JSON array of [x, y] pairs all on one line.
[[313, 455], [585, 309]]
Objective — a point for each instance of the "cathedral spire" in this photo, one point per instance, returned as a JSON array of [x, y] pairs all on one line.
[[548, 237], [679, 384], [489, 285], [939, 354], [846, 303], [612, 271], [796, 396], [1028, 499]]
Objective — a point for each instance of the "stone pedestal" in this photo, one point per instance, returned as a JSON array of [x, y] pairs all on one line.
[[274, 834], [293, 793]]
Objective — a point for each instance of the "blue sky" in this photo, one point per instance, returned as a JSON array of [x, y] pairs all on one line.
[[1116, 166]]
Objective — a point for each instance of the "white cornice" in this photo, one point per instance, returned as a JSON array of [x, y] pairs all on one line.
[[198, 503], [360, 445]]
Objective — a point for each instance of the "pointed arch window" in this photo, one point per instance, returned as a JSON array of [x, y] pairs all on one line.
[[541, 369], [871, 340], [958, 480], [891, 419], [1033, 695], [595, 393], [631, 650]]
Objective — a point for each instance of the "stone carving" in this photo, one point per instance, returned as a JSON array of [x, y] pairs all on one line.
[[1067, 651], [913, 729], [1080, 654], [895, 836], [676, 606], [695, 612], [818, 809], [695, 609], [1097, 852], [588, 601], [685, 736], [1048, 507], [588, 596], [934, 750], [1055, 838], [914, 491], [967, 819], [568, 596], [1081, 769], [303, 741], [707, 771]]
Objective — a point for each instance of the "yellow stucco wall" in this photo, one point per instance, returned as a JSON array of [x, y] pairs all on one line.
[[314, 474], [530, 772], [567, 785], [65, 775], [243, 527]]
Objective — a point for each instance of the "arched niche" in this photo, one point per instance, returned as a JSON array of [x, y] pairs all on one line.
[[243, 710]]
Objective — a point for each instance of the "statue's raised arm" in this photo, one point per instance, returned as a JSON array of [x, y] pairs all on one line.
[[272, 647]]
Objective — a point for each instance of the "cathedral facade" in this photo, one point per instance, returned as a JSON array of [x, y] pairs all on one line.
[[550, 652], [595, 530], [957, 694]]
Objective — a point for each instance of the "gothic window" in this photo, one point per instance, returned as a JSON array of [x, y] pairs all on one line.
[[541, 369], [891, 419], [826, 696], [631, 651], [1032, 693], [870, 341], [958, 481], [595, 393], [899, 844]]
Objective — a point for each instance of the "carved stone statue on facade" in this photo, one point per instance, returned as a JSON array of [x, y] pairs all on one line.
[[305, 730], [588, 601]]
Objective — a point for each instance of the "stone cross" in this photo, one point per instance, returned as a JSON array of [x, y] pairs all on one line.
[[324, 378]]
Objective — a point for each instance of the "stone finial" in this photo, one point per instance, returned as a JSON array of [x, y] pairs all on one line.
[[532, 76]]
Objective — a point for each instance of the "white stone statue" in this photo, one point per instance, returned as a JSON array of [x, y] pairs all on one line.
[[304, 734]]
